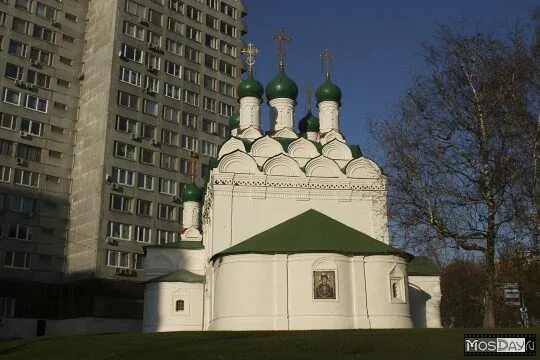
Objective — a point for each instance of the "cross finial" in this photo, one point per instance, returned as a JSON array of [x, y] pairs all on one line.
[[309, 96], [194, 162], [281, 39], [327, 61], [250, 51]]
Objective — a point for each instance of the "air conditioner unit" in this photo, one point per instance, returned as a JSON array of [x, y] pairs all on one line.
[[154, 142], [55, 23], [80, 76], [29, 85], [19, 83], [143, 21], [121, 55], [134, 137], [24, 134], [151, 68], [175, 199], [34, 62], [115, 186], [110, 241], [149, 91], [109, 179], [20, 161]]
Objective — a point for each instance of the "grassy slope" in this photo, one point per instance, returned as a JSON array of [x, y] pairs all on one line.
[[346, 344]]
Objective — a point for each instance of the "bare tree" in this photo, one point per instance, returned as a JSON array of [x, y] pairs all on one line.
[[450, 147]]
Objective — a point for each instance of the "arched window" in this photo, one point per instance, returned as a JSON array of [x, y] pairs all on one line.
[[179, 305], [395, 290]]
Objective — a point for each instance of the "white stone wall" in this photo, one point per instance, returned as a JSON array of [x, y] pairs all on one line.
[[160, 307], [163, 261], [425, 295]]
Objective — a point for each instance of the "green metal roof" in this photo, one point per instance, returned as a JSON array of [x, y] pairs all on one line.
[[180, 276], [356, 152], [187, 245], [422, 265], [311, 232]]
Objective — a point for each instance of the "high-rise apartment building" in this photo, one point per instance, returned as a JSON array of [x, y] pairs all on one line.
[[103, 104]]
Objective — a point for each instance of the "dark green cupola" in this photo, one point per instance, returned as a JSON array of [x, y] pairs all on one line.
[[234, 121], [250, 87], [281, 87], [309, 123], [192, 193], [328, 91]]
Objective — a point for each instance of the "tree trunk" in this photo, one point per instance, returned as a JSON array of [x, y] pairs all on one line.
[[490, 291]]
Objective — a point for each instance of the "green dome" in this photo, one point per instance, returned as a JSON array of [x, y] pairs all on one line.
[[234, 121], [309, 123], [192, 193], [250, 87], [328, 91], [281, 87]]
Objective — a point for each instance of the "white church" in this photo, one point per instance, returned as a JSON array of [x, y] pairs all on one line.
[[290, 232]]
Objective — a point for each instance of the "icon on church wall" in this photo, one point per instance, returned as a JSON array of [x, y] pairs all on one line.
[[324, 284]]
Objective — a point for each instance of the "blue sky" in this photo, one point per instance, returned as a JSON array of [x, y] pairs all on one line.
[[377, 45]]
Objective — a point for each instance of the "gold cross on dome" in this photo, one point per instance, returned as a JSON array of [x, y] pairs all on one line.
[[327, 61], [250, 51], [194, 157], [281, 39], [309, 96]]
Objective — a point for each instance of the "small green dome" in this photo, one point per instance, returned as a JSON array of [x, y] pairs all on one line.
[[250, 87], [234, 121], [192, 193], [328, 91], [309, 123], [281, 87]]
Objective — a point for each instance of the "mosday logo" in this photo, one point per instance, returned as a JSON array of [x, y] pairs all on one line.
[[500, 344]]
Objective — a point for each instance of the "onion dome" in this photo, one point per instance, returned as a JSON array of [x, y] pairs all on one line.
[[328, 91], [192, 193], [250, 87], [281, 87], [234, 121], [309, 123]]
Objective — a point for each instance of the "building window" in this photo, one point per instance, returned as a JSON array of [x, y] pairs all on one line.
[[174, 47], [134, 31], [179, 305], [41, 56], [150, 107], [36, 103], [155, 17], [186, 167], [190, 143], [6, 147], [17, 48], [132, 53], [147, 156], [210, 62], [23, 4], [17, 260], [145, 182], [173, 69], [45, 11], [8, 121], [397, 286], [14, 72], [5, 174], [210, 83], [22, 205], [175, 26], [12, 97], [193, 55], [121, 203], [208, 149], [228, 10], [117, 259], [119, 231], [212, 22], [55, 154], [226, 89], [134, 8], [154, 39], [122, 176], [209, 126], [227, 49], [28, 152], [167, 212], [26, 178], [144, 208], [52, 179], [32, 127], [211, 42], [38, 79], [19, 232], [143, 234], [227, 69], [130, 76], [20, 26], [166, 237], [177, 6], [193, 14], [169, 137], [153, 62], [171, 114], [191, 98], [189, 120], [168, 187], [127, 100], [126, 125], [42, 33], [226, 110], [169, 162], [209, 104], [138, 261], [193, 34], [7, 307], [172, 91], [124, 151], [228, 29], [191, 76]]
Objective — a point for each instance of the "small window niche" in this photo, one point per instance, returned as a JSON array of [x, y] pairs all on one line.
[[180, 305], [397, 286]]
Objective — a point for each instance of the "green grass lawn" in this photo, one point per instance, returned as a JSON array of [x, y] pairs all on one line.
[[345, 344]]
